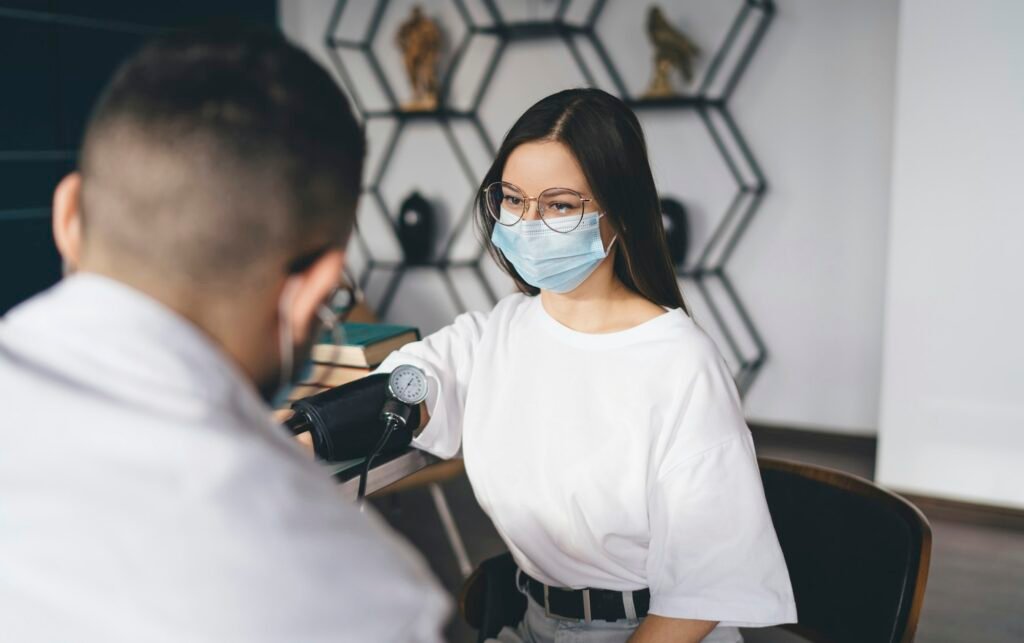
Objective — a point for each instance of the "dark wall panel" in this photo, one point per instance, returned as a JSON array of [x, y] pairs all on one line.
[[55, 57], [28, 69], [84, 65], [29, 259]]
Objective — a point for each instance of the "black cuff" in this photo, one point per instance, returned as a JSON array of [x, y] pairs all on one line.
[[345, 421]]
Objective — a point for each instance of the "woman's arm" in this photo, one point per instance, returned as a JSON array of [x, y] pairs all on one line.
[[661, 629], [446, 357], [713, 553], [424, 418]]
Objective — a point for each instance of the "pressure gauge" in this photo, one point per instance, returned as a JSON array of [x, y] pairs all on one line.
[[408, 384]]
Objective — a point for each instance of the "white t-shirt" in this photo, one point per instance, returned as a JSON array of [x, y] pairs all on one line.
[[146, 496], [616, 461]]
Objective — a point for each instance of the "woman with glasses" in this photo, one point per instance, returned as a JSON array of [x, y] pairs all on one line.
[[601, 429]]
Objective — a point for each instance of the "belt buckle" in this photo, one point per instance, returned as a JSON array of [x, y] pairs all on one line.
[[549, 614], [547, 604]]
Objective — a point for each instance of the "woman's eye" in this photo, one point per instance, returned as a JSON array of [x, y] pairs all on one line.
[[513, 200], [562, 208]]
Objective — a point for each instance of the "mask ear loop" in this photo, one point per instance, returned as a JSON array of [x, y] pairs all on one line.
[[611, 243], [285, 334], [332, 321]]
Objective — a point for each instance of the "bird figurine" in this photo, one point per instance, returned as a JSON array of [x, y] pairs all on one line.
[[676, 221], [415, 229], [672, 49], [419, 38]]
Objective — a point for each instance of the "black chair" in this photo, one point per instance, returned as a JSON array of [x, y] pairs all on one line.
[[857, 554], [489, 599], [857, 557]]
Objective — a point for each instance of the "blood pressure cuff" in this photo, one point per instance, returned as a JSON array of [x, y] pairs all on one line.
[[346, 423], [499, 603]]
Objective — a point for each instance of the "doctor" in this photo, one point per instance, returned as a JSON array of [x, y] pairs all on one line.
[[145, 494], [601, 429]]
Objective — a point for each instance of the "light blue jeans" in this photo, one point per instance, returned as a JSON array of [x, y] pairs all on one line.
[[537, 627]]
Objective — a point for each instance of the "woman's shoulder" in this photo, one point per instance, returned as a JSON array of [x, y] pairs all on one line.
[[689, 334], [514, 300], [685, 349], [682, 331], [698, 385], [509, 306], [477, 321]]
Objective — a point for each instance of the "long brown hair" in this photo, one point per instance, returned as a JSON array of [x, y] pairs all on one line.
[[606, 138]]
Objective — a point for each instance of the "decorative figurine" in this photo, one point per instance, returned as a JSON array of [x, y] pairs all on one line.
[[671, 49], [419, 37], [677, 229], [416, 229]]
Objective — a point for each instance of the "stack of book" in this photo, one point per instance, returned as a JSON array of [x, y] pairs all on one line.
[[365, 347]]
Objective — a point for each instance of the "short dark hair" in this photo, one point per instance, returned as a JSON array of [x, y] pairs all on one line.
[[606, 138], [215, 151]]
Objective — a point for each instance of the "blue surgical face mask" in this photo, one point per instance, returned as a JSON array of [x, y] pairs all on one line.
[[550, 260], [289, 375]]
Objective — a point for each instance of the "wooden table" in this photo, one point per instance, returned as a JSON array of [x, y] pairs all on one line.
[[401, 471], [386, 470]]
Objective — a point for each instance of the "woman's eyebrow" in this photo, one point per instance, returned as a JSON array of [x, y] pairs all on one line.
[[553, 187], [561, 189]]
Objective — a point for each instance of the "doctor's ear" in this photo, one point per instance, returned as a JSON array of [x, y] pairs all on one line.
[[67, 220], [309, 290]]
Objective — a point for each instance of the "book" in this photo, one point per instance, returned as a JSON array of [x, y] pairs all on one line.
[[303, 391], [331, 375], [366, 345]]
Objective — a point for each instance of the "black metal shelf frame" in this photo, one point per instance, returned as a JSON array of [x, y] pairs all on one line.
[[710, 101]]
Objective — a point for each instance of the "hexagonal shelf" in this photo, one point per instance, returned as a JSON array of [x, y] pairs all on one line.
[[486, 32], [360, 44]]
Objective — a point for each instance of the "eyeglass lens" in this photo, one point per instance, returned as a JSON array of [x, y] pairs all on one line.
[[560, 208]]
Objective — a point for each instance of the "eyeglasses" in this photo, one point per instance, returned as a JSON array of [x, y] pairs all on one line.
[[344, 298], [336, 309], [561, 209]]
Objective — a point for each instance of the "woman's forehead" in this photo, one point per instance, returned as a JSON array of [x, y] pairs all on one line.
[[541, 165]]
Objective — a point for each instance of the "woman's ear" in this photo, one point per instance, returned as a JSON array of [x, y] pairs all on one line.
[[67, 220], [314, 284]]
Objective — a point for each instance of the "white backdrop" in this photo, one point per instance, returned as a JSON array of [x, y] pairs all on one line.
[[953, 387], [816, 107]]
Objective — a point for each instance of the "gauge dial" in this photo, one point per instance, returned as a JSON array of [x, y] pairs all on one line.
[[408, 384]]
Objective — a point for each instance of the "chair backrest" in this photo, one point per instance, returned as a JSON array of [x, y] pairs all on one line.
[[489, 599], [857, 554]]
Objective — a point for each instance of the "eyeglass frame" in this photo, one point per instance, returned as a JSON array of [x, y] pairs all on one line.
[[355, 297], [331, 318], [526, 205]]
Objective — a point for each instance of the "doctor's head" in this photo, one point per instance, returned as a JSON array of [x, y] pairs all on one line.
[[569, 205], [219, 174]]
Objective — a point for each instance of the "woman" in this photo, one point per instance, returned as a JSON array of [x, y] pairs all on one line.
[[601, 429]]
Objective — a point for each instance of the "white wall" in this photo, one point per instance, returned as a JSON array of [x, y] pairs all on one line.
[[952, 421], [816, 107]]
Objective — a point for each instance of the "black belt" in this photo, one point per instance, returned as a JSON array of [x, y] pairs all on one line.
[[585, 604]]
